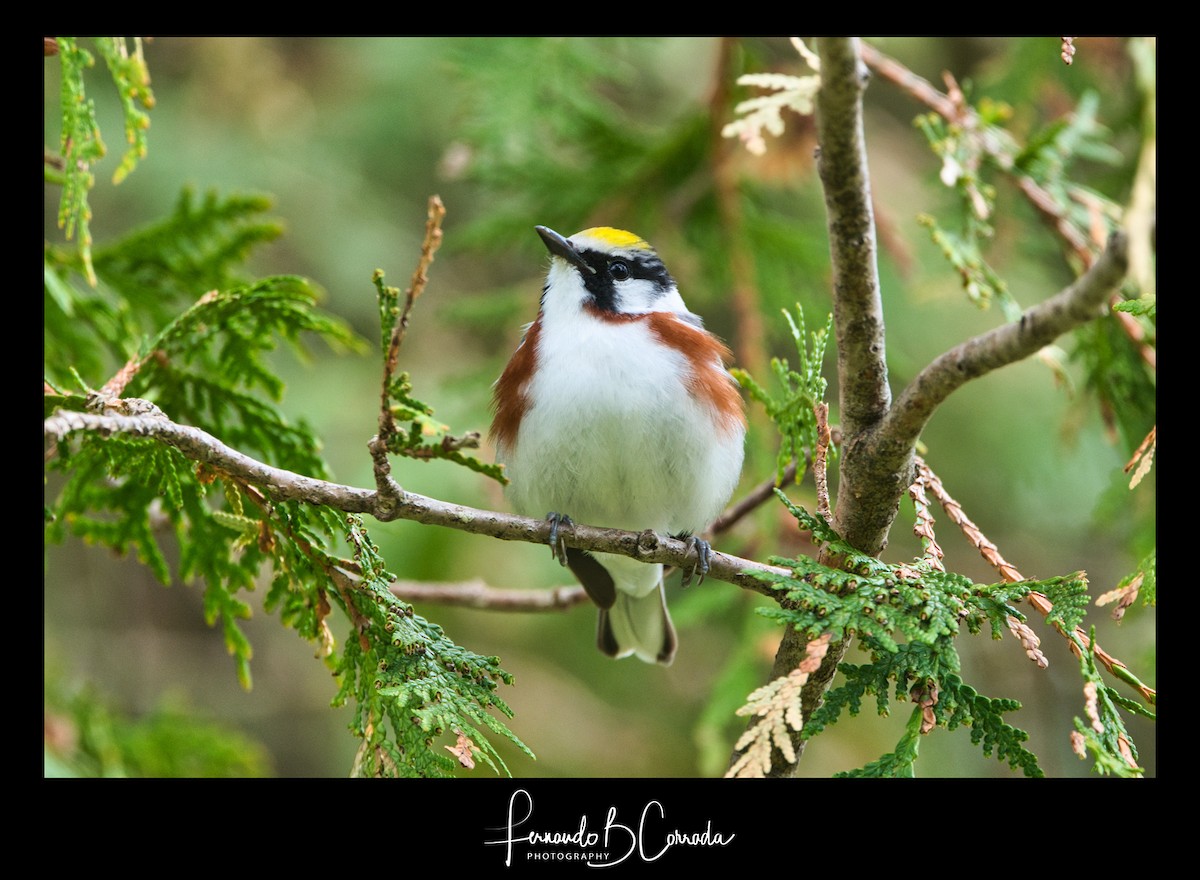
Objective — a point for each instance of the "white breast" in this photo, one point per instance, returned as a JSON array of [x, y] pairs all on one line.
[[613, 437]]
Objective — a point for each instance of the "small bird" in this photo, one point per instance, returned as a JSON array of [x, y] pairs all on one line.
[[616, 410]]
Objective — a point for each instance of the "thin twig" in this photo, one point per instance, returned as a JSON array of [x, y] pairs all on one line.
[[753, 499], [1147, 441], [1142, 458], [115, 386], [933, 555], [420, 277], [923, 528], [387, 487], [923, 525]]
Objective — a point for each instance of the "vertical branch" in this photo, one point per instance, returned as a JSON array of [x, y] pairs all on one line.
[[857, 308], [870, 485], [868, 495]]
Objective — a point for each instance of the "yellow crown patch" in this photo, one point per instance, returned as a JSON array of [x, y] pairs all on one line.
[[616, 237]]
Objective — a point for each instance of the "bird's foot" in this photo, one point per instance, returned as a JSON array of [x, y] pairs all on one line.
[[558, 547], [703, 558]]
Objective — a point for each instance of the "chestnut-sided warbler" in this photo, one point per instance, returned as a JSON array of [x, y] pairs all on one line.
[[617, 410]]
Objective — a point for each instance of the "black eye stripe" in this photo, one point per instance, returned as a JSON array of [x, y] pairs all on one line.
[[647, 266], [602, 284]]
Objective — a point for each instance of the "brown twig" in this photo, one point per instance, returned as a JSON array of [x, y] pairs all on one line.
[[923, 525], [1077, 639], [115, 386], [420, 277], [1123, 596], [1053, 214], [1091, 708], [917, 86], [389, 490], [933, 555], [752, 499]]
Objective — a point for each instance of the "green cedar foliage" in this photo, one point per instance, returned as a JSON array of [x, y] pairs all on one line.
[[167, 308], [81, 143], [1103, 735], [410, 683], [791, 410], [908, 617]]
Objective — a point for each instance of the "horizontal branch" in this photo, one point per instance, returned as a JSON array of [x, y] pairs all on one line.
[[477, 594], [202, 447]]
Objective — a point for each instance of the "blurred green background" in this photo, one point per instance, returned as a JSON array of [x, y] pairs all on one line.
[[350, 137]]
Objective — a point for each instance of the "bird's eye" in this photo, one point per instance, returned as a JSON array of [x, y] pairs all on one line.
[[618, 270]]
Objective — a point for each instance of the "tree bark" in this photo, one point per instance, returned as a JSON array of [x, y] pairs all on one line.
[[879, 437]]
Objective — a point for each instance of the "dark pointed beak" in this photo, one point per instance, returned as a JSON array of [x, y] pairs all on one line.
[[562, 247]]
